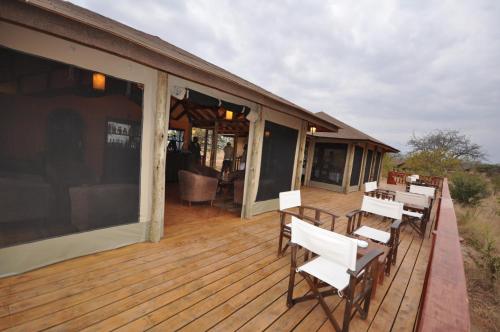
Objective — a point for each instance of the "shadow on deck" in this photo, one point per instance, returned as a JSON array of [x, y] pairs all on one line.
[[211, 271]]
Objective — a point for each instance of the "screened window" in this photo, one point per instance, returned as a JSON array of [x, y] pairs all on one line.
[[376, 170], [368, 166], [278, 157], [70, 144], [329, 163], [356, 166]]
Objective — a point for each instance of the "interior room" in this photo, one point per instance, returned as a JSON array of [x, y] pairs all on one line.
[[70, 142], [206, 157]]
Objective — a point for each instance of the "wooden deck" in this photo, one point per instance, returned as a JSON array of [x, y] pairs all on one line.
[[211, 271]]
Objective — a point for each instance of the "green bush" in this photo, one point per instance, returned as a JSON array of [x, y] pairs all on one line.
[[495, 181], [468, 189]]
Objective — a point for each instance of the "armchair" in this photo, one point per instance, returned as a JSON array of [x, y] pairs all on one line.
[[197, 188], [387, 209], [292, 199]]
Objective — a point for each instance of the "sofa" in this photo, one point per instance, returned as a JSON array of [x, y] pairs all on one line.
[[196, 187]]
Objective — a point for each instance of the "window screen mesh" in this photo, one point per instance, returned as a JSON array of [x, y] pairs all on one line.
[[329, 163], [356, 166], [278, 156], [69, 149]]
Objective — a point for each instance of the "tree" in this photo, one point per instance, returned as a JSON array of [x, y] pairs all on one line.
[[435, 163], [450, 143]]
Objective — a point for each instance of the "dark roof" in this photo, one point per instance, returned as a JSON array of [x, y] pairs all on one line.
[[155, 44], [349, 133]]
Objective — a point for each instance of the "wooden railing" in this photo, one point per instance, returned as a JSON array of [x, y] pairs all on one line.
[[445, 305]]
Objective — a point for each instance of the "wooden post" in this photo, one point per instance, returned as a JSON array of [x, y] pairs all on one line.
[[310, 159], [300, 159], [205, 148], [160, 155], [254, 147], [349, 163], [235, 150], [215, 139]]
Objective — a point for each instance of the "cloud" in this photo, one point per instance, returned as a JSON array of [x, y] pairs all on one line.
[[389, 68]]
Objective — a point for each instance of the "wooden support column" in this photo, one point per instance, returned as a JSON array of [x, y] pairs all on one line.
[[205, 145], [300, 159], [310, 159], [215, 139], [235, 150], [349, 163], [159, 157], [252, 169]]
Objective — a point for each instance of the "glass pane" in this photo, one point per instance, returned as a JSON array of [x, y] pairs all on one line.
[[278, 156], [70, 142], [356, 166], [329, 163]]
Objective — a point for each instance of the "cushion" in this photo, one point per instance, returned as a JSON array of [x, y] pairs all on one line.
[[330, 272]]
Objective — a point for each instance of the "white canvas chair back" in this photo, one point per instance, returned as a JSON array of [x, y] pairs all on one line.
[[382, 207], [412, 178], [419, 200], [427, 191], [331, 246], [370, 186], [290, 199]]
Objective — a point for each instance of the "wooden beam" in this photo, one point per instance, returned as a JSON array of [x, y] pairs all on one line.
[[300, 159], [160, 155], [252, 173], [215, 138], [205, 146]]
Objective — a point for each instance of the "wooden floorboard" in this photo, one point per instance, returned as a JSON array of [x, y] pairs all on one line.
[[212, 271]]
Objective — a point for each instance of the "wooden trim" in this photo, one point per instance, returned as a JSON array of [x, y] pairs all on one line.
[[445, 305], [160, 155]]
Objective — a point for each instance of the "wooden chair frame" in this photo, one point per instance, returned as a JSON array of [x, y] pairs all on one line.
[[354, 221], [319, 290], [285, 231], [418, 224]]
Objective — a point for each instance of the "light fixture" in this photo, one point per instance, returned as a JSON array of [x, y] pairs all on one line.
[[229, 115], [312, 129], [98, 81], [267, 133]]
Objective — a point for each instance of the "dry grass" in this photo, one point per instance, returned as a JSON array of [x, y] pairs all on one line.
[[479, 226]]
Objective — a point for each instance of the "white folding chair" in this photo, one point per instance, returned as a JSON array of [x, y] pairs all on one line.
[[416, 210], [334, 269], [370, 186], [427, 191], [385, 208], [292, 199], [371, 189]]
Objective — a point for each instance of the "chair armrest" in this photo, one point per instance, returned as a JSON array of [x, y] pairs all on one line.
[[296, 215], [396, 224], [292, 214], [366, 260], [320, 210], [353, 213]]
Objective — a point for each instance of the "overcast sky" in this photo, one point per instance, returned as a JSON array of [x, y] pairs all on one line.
[[388, 68]]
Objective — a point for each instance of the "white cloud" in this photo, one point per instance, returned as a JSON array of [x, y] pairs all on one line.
[[389, 68]]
